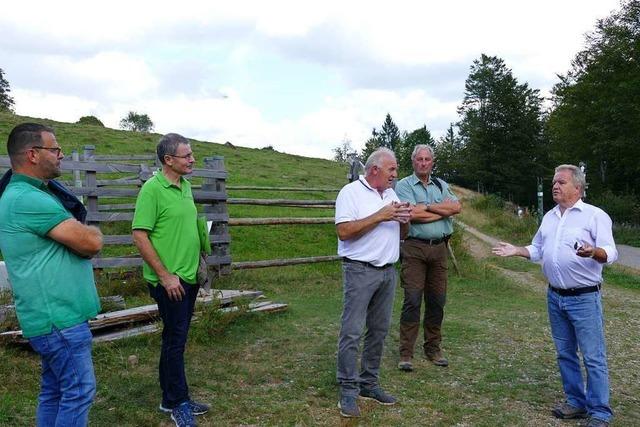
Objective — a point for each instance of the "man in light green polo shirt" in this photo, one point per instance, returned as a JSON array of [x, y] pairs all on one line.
[[47, 253], [424, 257], [166, 233]]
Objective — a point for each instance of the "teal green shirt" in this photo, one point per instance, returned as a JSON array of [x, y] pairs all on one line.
[[412, 190], [52, 286], [169, 215]]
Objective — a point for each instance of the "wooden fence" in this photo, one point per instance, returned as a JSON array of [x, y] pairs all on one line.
[[99, 194]]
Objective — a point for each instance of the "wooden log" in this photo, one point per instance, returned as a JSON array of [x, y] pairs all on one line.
[[283, 262], [287, 202], [137, 261], [252, 187], [278, 221]]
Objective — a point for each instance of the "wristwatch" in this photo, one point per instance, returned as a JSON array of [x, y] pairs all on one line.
[[426, 208]]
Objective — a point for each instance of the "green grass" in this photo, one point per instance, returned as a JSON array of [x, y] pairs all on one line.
[[279, 369]]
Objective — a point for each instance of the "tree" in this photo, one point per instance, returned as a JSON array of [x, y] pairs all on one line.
[[342, 152], [501, 129], [449, 155], [596, 105], [388, 136], [90, 120], [405, 146], [137, 122], [6, 100]]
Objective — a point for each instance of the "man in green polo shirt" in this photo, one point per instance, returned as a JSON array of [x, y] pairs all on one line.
[[166, 233], [424, 257], [47, 253]]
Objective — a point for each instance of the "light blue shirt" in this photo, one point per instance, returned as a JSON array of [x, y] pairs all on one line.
[[412, 190], [554, 245]]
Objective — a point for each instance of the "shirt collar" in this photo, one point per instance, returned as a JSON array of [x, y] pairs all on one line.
[[579, 205], [165, 182], [38, 183], [364, 182], [413, 179]]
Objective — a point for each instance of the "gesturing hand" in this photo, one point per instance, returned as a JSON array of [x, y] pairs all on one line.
[[504, 249]]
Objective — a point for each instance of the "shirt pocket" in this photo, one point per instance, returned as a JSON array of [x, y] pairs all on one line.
[[575, 235]]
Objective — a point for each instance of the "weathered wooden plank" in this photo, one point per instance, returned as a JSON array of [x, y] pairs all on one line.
[[127, 333], [112, 157], [93, 191], [282, 262], [128, 216], [127, 239]]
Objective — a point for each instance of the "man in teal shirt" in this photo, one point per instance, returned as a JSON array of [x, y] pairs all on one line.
[[424, 257], [47, 253], [166, 233]]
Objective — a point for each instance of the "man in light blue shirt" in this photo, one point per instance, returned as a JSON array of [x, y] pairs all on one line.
[[424, 257], [574, 241]]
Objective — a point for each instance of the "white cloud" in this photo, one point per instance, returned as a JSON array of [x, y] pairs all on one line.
[[174, 61]]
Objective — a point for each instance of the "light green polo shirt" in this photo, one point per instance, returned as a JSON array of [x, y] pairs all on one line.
[[52, 286], [412, 190], [169, 214]]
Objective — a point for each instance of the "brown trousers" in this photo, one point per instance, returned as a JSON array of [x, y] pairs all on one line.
[[424, 275]]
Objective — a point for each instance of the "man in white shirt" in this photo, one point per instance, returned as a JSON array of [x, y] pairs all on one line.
[[369, 220], [574, 241]]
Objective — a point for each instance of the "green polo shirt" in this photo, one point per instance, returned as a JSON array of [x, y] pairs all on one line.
[[169, 214], [412, 190], [52, 286]]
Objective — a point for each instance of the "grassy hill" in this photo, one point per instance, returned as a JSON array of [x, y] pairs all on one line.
[[246, 166], [279, 370]]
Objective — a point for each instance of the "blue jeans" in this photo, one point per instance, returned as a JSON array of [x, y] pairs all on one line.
[[577, 323], [368, 301], [68, 383], [176, 318]]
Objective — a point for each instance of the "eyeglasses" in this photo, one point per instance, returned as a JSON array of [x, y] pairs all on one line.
[[186, 156], [55, 150]]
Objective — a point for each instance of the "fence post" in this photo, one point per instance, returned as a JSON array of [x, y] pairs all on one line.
[[219, 233], [91, 181]]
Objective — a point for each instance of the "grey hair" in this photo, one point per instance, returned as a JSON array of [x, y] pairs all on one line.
[[421, 147], [168, 145], [375, 159], [577, 176]]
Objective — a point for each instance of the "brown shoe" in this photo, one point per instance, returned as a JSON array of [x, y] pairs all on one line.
[[405, 364], [564, 411], [595, 422], [437, 358]]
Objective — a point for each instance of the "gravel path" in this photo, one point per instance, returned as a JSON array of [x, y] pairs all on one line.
[[628, 256]]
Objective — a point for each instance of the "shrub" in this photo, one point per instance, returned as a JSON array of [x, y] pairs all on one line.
[[90, 120], [622, 208]]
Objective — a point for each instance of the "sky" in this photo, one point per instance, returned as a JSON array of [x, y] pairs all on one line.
[[300, 76]]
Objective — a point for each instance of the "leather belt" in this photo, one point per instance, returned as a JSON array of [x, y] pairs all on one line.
[[430, 241], [575, 291], [365, 263]]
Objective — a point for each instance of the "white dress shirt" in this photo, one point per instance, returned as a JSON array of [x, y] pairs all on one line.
[[555, 240]]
